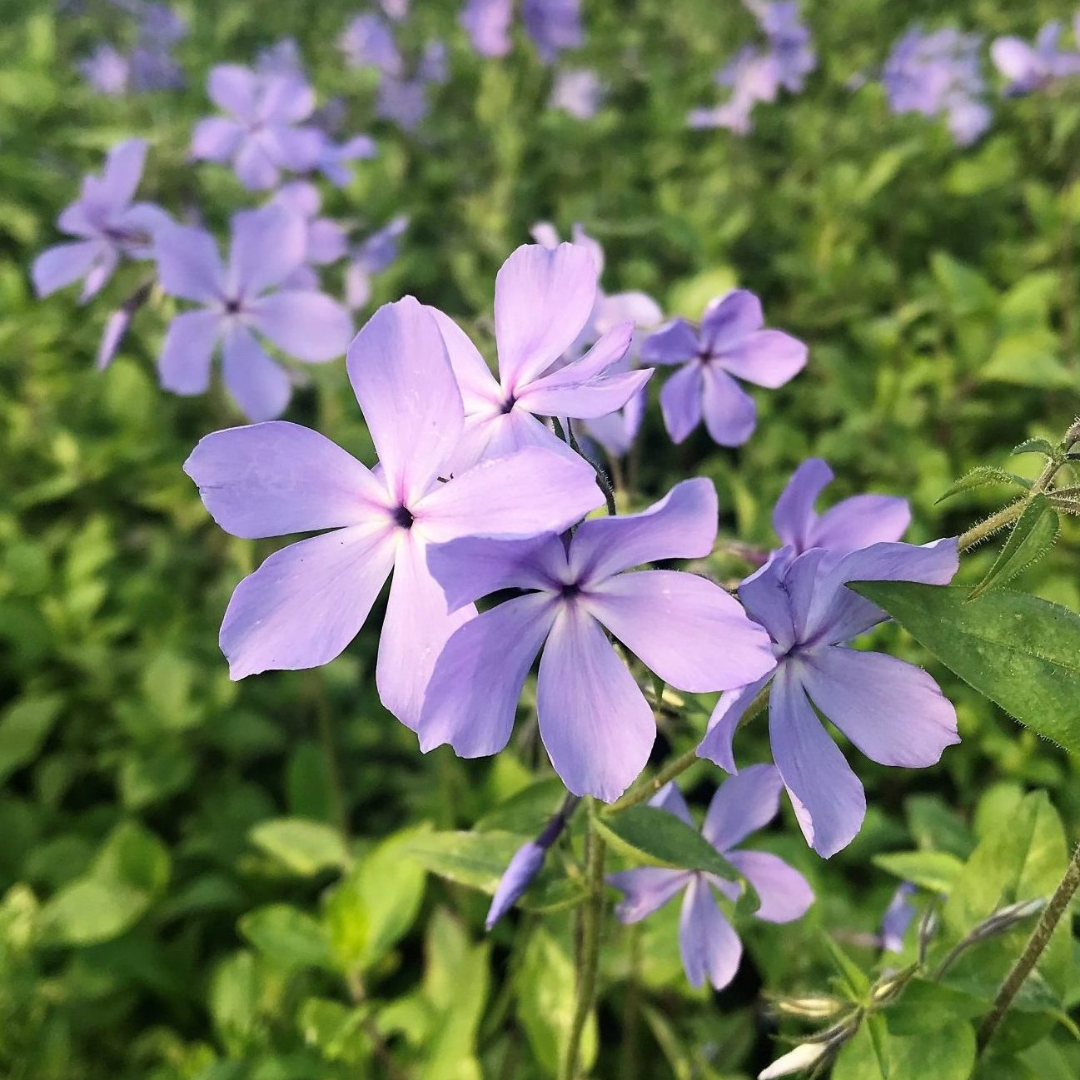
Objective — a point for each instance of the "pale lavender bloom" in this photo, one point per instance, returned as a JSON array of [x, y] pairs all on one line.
[[403, 102], [1036, 66], [487, 22], [789, 42], [149, 66], [109, 226], [595, 723], [107, 70], [898, 917], [730, 344], [543, 299], [159, 25], [335, 158], [368, 42], [152, 68], [372, 257], [710, 948], [263, 132], [304, 605], [397, 10], [553, 25], [892, 711], [938, 74], [434, 64], [282, 59], [326, 241], [753, 77], [116, 326], [239, 300], [577, 91], [527, 862]]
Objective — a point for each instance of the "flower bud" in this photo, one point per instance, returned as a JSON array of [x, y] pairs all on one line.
[[524, 866], [801, 1058], [811, 1007]]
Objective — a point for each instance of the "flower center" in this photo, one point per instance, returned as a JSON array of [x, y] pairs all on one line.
[[403, 517], [509, 403], [232, 307]]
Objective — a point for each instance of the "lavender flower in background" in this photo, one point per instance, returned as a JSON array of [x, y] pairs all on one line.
[[263, 131], [404, 101], [938, 74], [116, 326], [397, 10], [710, 948], [150, 64], [109, 226], [543, 299], [552, 25], [487, 23], [898, 917], [335, 159], [730, 344], [369, 42], [892, 711], [596, 725], [1036, 66], [282, 59], [106, 70], [577, 91], [238, 300], [374, 256], [325, 242], [304, 605], [789, 43]]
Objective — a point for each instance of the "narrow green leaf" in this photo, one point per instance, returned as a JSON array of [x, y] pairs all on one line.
[[854, 977], [24, 726], [1020, 651], [1029, 540], [302, 846], [1035, 446], [468, 858], [928, 1006], [983, 476], [287, 936], [934, 870], [945, 1054]]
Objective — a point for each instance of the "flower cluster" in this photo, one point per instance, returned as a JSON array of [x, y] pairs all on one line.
[[553, 26], [149, 65], [1036, 66]]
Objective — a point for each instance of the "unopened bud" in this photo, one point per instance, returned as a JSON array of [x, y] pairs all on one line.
[[523, 867], [1006, 918], [887, 988], [801, 1058], [928, 929], [811, 1007]]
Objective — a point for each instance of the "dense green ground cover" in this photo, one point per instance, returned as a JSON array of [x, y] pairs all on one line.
[[208, 880]]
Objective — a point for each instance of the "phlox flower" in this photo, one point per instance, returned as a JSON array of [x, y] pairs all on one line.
[[552, 25], [1036, 66], [239, 300], [325, 242], [789, 42], [898, 916], [892, 711], [335, 158], [373, 256], [578, 92], [263, 132], [369, 42], [710, 948], [106, 70], [730, 344], [404, 101], [543, 299], [305, 603], [108, 224], [594, 720]]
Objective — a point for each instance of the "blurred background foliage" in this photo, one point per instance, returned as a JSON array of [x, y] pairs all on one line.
[[202, 880]]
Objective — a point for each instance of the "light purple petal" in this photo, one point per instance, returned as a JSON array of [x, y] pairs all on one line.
[[306, 602], [897, 918], [861, 521], [828, 799], [123, 171], [530, 492], [299, 197], [730, 413], [234, 89], [267, 246], [1014, 58], [518, 430], [305, 324], [765, 595], [254, 166], [414, 633], [636, 307], [285, 100], [686, 629], [216, 138], [278, 478], [527, 862], [646, 889], [710, 948], [681, 401], [892, 711], [793, 516], [730, 319], [99, 274], [59, 266], [259, 385], [741, 805], [681, 525], [724, 721], [296, 149], [674, 343], [478, 386], [767, 358], [543, 298], [487, 23], [474, 690], [785, 895], [596, 724], [402, 378], [670, 799], [188, 264], [327, 242], [184, 366], [116, 326]]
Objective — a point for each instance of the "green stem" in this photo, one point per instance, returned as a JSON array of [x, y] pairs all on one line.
[[978, 533], [1040, 938], [592, 917], [632, 1007]]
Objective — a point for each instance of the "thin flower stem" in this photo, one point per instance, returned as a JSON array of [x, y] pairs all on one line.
[[1040, 938], [632, 1007], [592, 918]]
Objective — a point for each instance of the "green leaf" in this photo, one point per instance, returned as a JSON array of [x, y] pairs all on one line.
[[234, 1000], [1035, 446], [854, 977], [527, 812], [1033, 535], [303, 847], [90, 910], [1028, 360], [546, 1004], [933, 870], [1020, 651], [983, 476], [928, 1006], [24, 727], [468, 858], [654, 837], [944, 1054], [967, 290], [287, 936]]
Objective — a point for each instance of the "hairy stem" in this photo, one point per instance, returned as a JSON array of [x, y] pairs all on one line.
[[1040, 938], [592, 917]]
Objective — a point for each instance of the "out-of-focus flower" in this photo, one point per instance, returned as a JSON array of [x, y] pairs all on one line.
[[1036, 66], [326, 241], [577, 91], [282, 59], [109, 226], [372, 257], [335, 159], [710, 948], [553, 26], [106, 70], [369, 42], [487, 22], [149, 65], [897, 918]]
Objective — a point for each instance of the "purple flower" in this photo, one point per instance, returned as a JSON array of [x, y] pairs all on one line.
[[892, 711], [154, 69], [239, 300], [309, 600], [109, 225], [260, 135], [577, 91], [326, 241], [1033, 67], [938, 74], [729, 344], [789, 42], [335, 158], [368, 42], [543, 299], [282, 59], [897, 918], [398, 10], [594, 720], [403, 102], [487, 22], [553, 26], [709, 945], [527, 862], [372, 257], [107, 70]]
